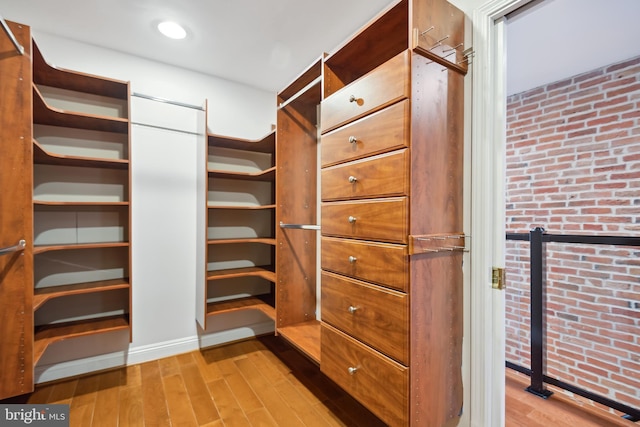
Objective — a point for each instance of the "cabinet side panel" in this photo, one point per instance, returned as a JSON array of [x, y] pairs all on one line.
[[16, 268], [436, 149], [436, 339], [296, 194]]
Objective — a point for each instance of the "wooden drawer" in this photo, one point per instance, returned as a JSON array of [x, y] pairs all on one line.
[[381, 263], [376, 316], [372, 219], [377, 382], [377, 133], [379, 176], [375, 90]]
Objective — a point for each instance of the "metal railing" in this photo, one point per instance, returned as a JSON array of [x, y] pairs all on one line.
[[537, 238]]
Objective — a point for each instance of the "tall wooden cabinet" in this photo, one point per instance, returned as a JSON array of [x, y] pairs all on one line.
[[16, 228], [71, 163], [390, 190]]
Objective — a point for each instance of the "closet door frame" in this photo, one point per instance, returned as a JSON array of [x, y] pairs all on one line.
[[488, 141]]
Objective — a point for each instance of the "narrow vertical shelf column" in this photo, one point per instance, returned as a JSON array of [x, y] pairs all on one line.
[[240, 233], [81, 205], [296, 194]]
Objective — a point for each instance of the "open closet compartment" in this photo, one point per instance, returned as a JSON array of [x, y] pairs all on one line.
[[240, 231], [81, 205], [391, 214], [296, 211]]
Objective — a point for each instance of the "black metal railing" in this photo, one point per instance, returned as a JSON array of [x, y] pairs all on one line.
[[537, 237]]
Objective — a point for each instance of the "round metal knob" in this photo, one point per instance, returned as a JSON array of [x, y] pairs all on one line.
[[352, 259], [353, 139], [352, 219], [352, 370], [352, 309], [353, 98], [352, 179]]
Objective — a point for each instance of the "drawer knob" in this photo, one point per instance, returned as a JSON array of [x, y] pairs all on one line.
[[352, 370], [352, 309], [352, 219], [352, 259], [353, 139], [352, 179], [353, 98]]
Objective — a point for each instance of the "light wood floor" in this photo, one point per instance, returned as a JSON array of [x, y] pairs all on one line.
[[523, 409], [260, 382]]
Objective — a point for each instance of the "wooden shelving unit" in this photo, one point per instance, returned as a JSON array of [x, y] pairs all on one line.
[[240, 239], [296, 194], [81, 204]]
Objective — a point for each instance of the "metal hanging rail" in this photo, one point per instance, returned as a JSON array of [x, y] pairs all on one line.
[[15, 248], [300, 226], [13, 39], [167, 101]]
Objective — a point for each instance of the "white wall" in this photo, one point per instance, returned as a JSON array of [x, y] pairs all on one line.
[[167, 206]]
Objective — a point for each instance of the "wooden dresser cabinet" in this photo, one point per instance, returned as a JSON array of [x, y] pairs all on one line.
[[391, 214]]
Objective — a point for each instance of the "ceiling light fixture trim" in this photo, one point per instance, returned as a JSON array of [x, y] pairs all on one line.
[[173, 30]]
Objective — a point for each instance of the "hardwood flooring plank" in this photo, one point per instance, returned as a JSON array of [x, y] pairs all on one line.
[[83, 402], [203, 406], [130, 413], [63, 392], [304, 411], [261, 418], [229, 409], [208, 367], [169, 366], [154, 405], [178, 402], [40, 395], [107, 399], [132, 376], [273, 402]]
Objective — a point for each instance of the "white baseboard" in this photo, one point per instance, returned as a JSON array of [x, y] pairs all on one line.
[[146, 353]]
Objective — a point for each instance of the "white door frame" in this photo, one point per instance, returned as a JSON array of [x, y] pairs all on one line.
[[488, 140]]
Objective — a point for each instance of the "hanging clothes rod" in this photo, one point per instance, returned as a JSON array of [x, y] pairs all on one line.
[[300, 226], [167, 101], [11, 249], [166, 128], [13, 39]]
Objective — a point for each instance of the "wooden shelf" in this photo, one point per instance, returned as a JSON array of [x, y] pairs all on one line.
[[264, 272], [262, 145], [305, 337], [45, 74], [210, 206], [42, 295], [46, 115], [263, 303], [302, 82], [48, 248], [266, 175], [49, 334], [56, 204], [44, 157], [264, 240]]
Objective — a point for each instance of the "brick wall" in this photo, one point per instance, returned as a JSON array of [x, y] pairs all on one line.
[[573, 167]]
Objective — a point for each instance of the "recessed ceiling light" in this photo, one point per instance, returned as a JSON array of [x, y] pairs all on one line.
[[172, 30]]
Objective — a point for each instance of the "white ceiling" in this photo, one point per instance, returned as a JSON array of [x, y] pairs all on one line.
[[556, 39], [266, 44]]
